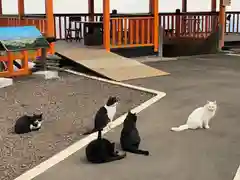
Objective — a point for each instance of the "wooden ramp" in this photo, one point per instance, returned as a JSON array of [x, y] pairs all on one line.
[[105, 63]]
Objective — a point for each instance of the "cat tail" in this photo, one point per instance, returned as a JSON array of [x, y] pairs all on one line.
[[116, 157], [180, 128], [100, 134], [90, 132], [137, 151]]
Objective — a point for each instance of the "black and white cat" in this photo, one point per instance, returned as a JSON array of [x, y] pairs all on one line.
[[102, 150], [200, 117], [105, 115], [130, 138], [28, 123]]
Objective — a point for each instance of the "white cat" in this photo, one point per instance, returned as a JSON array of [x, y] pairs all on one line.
[[199, 118]]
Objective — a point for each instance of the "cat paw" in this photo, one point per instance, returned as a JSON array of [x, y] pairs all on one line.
[[207, 127], [146, 153], [110, 126]]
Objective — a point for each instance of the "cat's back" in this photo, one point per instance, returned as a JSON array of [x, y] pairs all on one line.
[[97, 150], [130, 137], [101, 118], [22, 125], [196, 112]]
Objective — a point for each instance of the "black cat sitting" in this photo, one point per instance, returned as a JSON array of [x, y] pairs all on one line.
[[130, 139], [105, 115], [101, 151]]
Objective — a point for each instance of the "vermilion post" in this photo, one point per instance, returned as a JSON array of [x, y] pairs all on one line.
[[50, 21], [49, 17], [222, 14], [25, 61], [184, 5], [91, 9], [156, 25], [21, 8], [214, 6], [10, 63], [1, 7], [106, 24], [151, 6]]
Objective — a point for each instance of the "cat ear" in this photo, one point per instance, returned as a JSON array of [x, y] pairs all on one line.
[[215, 102], [208, 101]]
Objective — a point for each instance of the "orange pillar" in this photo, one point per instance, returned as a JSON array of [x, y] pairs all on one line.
[[50, 22], [184, 5], [49, 18], [21, 8], [214, 6], [91, 9], [106, 24], [1, 7], [156, 25], [222, 14]]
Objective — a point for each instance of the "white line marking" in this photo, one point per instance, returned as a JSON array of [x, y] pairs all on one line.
[[237, 175], [42, 167], [233, 54]]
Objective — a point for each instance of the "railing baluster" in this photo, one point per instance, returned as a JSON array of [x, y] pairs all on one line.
[[113, 29], [148, 31], [143, 31], [125, 31], [137, 31], [119, 31]]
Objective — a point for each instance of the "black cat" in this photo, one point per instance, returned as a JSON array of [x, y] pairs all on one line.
[[130, 138], [104, 115], [102, 150], [28, 123]]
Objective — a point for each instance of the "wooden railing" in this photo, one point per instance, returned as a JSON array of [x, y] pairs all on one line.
[[196, 25], [232, 22], [62, 23], [131, 31], [38, 21], [204, 23]]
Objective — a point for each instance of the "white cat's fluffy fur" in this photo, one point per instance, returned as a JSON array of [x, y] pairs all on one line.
[[199, 118]]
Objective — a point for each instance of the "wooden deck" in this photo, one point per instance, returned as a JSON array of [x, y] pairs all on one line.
[[106, 63]]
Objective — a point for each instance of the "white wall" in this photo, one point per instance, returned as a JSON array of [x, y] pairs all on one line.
[[123, 6]]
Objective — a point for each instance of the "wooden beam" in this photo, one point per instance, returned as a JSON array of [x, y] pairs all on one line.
[[222, 14], [1, 7], [49, 18], [91, 9], [184, 5], [106, 24], [21, 7], [156, 25], [214, 6], [151, 6]]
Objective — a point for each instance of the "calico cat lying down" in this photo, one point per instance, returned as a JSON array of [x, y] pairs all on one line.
[[101, 151], [28, 123], [105, 115], [130, 139]]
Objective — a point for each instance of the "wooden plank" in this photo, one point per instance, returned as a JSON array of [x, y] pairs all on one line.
[[108, 64]]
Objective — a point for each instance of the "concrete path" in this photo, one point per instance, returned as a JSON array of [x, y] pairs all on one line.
[[191, 155]]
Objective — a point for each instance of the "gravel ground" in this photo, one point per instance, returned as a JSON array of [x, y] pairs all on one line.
[[68, 106]]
